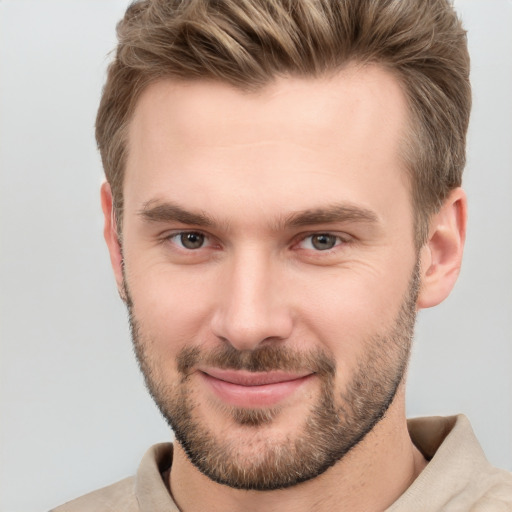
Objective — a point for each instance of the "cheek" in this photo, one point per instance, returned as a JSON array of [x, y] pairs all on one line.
[[347, 310], [172, 309]]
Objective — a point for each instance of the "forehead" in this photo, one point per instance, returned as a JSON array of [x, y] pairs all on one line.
[[284, 143], [358, 97]]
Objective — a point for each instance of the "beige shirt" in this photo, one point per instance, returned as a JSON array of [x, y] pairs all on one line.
[[458, 477]]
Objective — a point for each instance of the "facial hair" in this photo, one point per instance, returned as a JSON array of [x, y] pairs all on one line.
[[334, 424]]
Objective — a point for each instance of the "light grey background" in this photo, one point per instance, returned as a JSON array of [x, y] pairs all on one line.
[[74, 413]]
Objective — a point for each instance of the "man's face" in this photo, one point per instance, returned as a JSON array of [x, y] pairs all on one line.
[[269, 267]]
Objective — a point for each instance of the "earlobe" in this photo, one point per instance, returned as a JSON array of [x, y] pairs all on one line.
[[441, 256], [111, 236]]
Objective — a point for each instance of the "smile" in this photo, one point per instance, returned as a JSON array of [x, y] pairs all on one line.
[[252, 389]]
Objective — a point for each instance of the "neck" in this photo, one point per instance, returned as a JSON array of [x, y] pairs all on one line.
[[370, 477]]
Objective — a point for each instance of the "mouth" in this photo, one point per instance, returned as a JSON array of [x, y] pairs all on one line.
[[242, 388]]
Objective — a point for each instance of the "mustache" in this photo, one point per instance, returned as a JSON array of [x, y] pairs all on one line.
[[262, 359]]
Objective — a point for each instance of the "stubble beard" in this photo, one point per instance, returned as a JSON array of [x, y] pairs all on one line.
[[334, 426]]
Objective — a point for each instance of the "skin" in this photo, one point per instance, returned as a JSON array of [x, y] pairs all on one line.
[[249, 161]]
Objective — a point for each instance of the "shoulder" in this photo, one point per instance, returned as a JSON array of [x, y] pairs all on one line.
[[145, 491], [118, 496], [491, 490], [458, 476]]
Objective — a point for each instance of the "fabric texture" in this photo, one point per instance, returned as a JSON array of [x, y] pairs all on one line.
[[458, 477]]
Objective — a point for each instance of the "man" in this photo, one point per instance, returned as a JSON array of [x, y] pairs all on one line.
[[283, 194]]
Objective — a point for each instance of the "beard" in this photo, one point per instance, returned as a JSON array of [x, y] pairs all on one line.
[[334, 425]]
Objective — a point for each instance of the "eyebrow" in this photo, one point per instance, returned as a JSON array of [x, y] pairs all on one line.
[[331, 214], [156, 211]]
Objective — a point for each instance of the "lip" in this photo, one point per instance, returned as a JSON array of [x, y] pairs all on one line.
[[253, 389]]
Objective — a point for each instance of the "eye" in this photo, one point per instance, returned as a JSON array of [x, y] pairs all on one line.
[[189, 240], [320, 242]]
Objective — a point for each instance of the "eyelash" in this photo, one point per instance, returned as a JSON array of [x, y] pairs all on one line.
[[338, 240], [180, 234]]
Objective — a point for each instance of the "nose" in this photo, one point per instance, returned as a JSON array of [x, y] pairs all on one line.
[[252, 305]]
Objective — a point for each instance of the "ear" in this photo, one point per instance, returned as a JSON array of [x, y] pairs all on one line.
[[441, 256], [111, 236]]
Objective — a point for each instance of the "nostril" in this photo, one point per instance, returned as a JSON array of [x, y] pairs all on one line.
[[245, 333]]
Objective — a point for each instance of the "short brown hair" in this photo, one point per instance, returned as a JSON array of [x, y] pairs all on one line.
[[248, 43]]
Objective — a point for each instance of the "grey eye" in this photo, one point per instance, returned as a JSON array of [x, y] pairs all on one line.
[[192, 240], [323, 241]]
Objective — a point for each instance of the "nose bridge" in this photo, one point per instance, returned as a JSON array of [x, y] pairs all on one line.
[[252, 305]]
